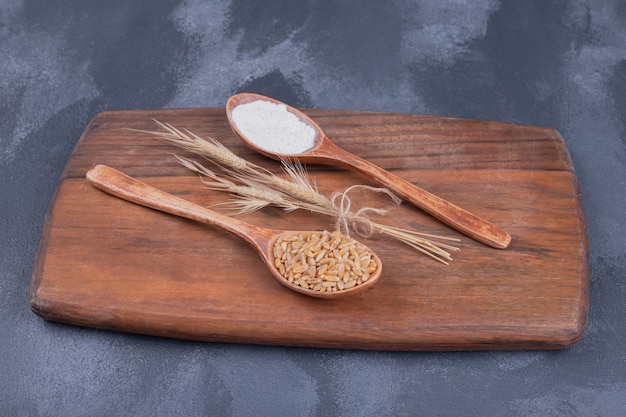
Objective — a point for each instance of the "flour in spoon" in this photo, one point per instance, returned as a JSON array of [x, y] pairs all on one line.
[[273, 128]]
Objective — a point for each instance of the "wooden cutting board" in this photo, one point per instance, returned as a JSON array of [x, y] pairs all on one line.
[[106, 263]]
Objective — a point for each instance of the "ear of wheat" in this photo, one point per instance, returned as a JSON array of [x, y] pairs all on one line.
[[254, 188]]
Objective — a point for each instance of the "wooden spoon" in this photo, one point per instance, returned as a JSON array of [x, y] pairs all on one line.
[[324, 151], [261, 239]]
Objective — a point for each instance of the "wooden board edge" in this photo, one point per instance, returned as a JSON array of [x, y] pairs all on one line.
[[579, 325], [506, 339]]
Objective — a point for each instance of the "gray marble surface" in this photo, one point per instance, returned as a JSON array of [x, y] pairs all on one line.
[[560, 64]]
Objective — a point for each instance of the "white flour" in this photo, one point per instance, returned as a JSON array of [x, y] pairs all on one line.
[[272, 128]]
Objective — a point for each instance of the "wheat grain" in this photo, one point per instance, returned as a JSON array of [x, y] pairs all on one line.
[[297, 257]]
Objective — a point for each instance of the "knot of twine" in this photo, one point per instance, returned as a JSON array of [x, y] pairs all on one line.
[[358, 222]]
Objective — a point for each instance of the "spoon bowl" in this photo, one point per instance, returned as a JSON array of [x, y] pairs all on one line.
[[324, 151], [262, 240], [319, 151]]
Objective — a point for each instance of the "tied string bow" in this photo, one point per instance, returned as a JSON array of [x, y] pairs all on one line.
[[358, 222]]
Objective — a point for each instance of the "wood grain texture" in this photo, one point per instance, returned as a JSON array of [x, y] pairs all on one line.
[[108, 264]]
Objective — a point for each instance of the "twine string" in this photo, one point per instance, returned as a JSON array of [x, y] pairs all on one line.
[[359, 223]]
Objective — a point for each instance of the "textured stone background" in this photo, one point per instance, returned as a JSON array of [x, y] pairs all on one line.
[[554, 63]]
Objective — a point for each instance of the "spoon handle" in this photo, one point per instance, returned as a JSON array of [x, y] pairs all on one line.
[[130, 189], [454, 216]]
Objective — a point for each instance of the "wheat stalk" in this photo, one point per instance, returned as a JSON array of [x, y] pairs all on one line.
[[255, 188], [300, 188]]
